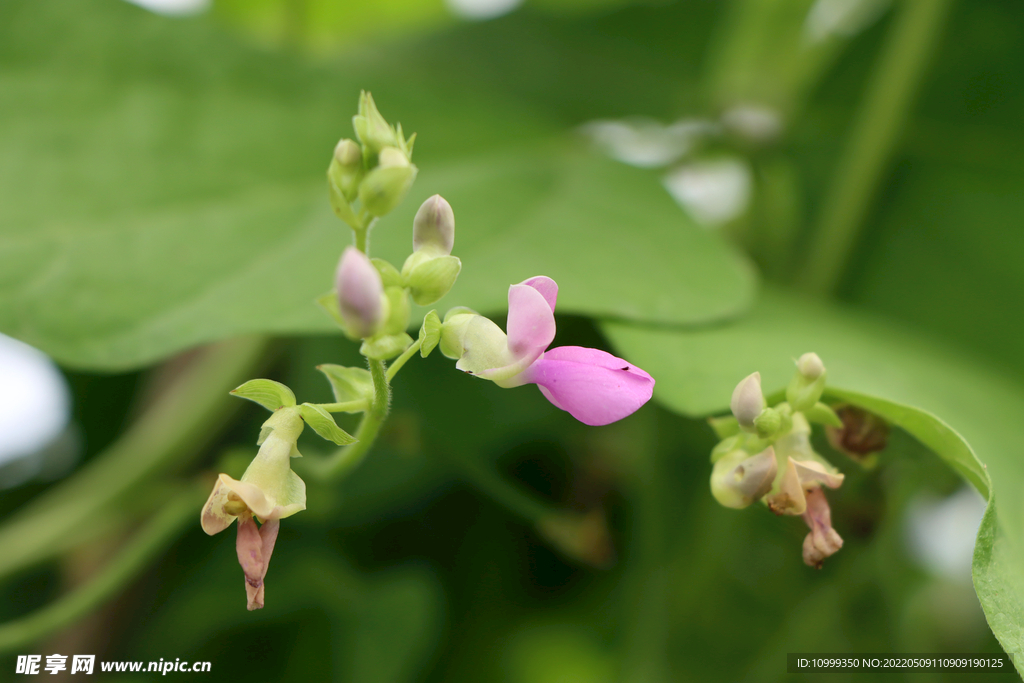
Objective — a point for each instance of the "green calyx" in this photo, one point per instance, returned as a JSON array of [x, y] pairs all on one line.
[[428, 277], [430, 333]]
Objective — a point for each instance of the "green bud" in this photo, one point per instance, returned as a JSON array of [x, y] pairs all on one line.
[[371, 128], [737, 480], [432, 278], [346, 168], [340, 205], [400, 311], [810, 366], [767, 424], [748, 401], [389, 275], [384, 187], [430, 333], [385, 347], [343, 177], [433, 229], [808, 383], [392, 157], [268, 393]]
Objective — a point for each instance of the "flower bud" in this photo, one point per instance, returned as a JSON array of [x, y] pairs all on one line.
[[748, 401], [392, 157], [768, 423], [384, 187], [810, 366], [360, 294], [807, 384], [346, 169], [372, 129], [433, 229], [738, 480], [431, 278]]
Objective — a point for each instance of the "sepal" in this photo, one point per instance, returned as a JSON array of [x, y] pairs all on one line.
[[824, 415], [384, 187], [430, 333], [268, 393], [385, 347], [348, 384], [432, 278], [324, 425], [389, 275]]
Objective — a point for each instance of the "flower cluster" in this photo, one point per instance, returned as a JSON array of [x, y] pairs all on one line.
[[765, 454], [370, 302]]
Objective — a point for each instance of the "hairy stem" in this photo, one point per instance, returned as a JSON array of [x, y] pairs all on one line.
[[401, 360], [348, 458], [346, 407]]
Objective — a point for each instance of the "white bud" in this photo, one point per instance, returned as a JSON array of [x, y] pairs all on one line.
[[747, 400], [810, 366], [433, 229]]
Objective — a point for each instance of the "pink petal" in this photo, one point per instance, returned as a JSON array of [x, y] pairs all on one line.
[[546, 286], [531, 322], [593, 386]]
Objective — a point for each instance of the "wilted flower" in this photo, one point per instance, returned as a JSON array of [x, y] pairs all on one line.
[[268, 491], [593, 386]]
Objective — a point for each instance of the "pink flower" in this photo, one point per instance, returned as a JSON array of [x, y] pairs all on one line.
[[593, 386]]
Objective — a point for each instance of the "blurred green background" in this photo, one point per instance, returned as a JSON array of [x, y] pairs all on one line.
[[716, 186]]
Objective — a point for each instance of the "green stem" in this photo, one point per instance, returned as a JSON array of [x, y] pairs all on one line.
[[646, 635], [358, 406], [401, 360], [511, 497], [150, 540], [362, 240], [870, 145], [181, 421], [583, 537], [348, 458]]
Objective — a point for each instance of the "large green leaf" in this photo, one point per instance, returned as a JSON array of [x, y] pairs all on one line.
[[868, 358], [164, 187]]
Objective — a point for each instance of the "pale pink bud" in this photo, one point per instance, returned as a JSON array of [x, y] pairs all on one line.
[[359, 290]]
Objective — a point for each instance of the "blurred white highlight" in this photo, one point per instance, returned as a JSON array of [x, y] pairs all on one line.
[[941, 532], [35, 408], [482, 9], [754, 122], [647, 143], [828, 18], [173, 7], [713, 191]]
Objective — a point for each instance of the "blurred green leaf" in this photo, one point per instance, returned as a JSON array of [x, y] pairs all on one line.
[[867, 357], [165, 188]]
